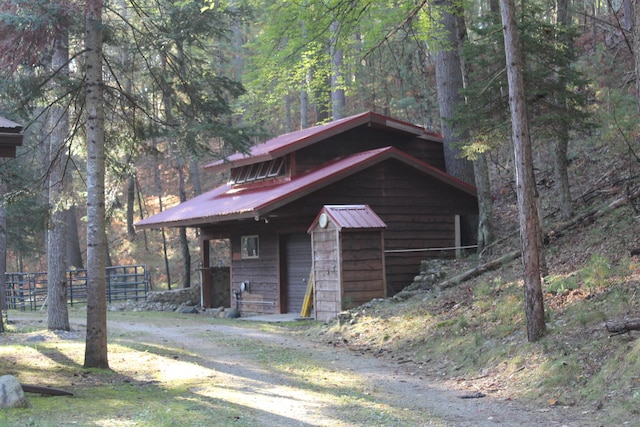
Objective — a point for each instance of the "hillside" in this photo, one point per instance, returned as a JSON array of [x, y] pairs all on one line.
[[474, 336]]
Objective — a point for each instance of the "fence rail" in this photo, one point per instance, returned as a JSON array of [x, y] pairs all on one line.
[[29, 290]]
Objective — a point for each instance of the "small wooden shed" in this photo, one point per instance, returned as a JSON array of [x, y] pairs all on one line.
[[347, 245]]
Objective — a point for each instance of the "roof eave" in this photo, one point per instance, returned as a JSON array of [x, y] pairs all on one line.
[[198, 222]]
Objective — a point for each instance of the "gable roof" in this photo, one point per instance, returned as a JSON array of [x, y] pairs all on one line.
[[231, 202], [293, 141], [351, 217], [10, 137]]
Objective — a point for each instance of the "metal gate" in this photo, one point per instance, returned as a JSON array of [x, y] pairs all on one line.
[[29, 290]]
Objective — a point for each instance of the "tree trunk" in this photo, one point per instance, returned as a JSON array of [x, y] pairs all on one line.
[[158, 185], [304, 109], [449, 81], [184, 242], [131, 200], [561, 165], [74, 253], [337, 82], [95, 355], [485, 203], [3, 253], [628, 14], [617, 327], [636, 46], [484, 222], [525, 183], [194, 173], [57, 312]]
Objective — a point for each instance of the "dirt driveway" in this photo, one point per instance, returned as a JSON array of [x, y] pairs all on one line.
[[250, 364]]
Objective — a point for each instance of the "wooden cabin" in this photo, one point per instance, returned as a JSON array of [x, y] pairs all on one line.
[[277, 190], [10, 137]]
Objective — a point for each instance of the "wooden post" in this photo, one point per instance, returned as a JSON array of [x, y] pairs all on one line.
[[205, 272], [458, 238]]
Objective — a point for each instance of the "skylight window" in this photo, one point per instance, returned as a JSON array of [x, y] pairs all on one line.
[[259, 171]]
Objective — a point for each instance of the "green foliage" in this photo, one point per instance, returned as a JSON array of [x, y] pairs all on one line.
[[597, 272], [554, 87], [383, 61], [557, 284]]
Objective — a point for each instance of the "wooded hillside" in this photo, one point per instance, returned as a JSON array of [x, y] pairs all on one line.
[[190, 82]]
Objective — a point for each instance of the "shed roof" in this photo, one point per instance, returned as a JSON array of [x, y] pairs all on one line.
[[231, 202], [10, 137], [293, 141], [351, 217]]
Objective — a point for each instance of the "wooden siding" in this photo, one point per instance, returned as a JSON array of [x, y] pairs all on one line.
[[419, 212], [261, 273], [362, 267], [326, 271], [364, 139]]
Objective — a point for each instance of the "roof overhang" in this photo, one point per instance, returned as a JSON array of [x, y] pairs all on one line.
[[229, 202]]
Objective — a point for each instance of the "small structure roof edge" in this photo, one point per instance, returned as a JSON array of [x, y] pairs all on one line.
[[350, 217]]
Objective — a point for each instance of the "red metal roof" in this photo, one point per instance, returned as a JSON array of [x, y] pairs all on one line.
[[229, 202], [287, 143], [351, 217]]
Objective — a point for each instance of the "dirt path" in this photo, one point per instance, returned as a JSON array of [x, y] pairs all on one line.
[[236, 359], [390, 384]]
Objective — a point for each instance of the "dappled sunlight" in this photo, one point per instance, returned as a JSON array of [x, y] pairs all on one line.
[[277, 399]]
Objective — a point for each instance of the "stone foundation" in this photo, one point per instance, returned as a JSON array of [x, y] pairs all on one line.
[[183, 300]]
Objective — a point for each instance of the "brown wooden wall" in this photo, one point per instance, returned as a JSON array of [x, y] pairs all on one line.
[[364, 139], [326, 271], [419, 213], [261, 273], [363, 270]]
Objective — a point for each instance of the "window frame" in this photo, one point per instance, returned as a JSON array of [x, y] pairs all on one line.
[[245, 246]]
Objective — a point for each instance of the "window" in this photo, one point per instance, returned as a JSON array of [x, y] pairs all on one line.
[[249, 246], [260, 171]]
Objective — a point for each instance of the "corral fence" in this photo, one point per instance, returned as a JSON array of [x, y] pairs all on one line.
[[124, 282]]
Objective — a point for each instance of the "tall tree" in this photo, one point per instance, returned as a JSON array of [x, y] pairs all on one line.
[[338, 102], [561, 163], [95, 355], [525, 182], [3, 252], [57, 313], [450, 83], [636, 47]]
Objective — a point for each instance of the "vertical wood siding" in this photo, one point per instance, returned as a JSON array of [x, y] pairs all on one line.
[[362, 267], [326, 257], [297, 249]]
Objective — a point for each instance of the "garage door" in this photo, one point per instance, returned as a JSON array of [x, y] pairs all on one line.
[[297, 249]]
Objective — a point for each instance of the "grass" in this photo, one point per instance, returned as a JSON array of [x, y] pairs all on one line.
[[153, 383]]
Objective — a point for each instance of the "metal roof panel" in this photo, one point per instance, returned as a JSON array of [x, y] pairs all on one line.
[[353, 217], [230, 202]]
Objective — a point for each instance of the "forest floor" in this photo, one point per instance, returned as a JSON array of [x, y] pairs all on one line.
[[251, 373]]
